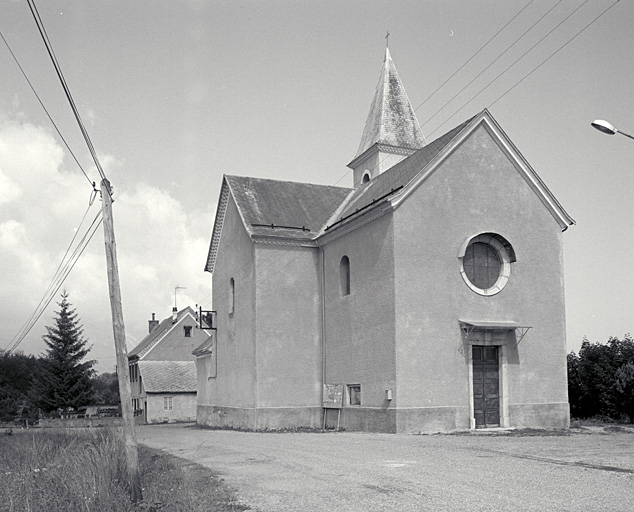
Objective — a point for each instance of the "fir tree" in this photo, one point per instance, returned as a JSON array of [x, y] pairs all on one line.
[[65, 380]]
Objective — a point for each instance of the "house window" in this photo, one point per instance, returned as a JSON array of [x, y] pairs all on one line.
[[344, 275], [366, 177], [167, 403], [486, 263], [232, 295], [188, 331], [354, 394]]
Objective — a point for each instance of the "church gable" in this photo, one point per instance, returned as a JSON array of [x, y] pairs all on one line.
[[521, 165], [395, 185]]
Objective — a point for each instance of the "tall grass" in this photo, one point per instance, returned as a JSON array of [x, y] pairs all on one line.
[[85, 470], [63, 470]]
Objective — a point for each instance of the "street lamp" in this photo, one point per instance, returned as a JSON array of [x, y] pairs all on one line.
[[605, 127]]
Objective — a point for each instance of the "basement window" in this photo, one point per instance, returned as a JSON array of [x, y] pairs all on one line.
[[354, 394]]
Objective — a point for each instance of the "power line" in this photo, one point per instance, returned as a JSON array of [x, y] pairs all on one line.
[[60, 75], [45, 109], [528, 51], [474, 55], [224, 294], [555, 53], [493, 62], [63, 270]]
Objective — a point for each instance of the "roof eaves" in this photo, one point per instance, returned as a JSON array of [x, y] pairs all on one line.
[[534, 180], [221, 210]]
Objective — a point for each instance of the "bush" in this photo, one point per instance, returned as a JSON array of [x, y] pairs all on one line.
[[601, 379]]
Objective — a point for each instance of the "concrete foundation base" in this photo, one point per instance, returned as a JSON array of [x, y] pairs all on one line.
[[412, 420], [552, 415], [261, 418]]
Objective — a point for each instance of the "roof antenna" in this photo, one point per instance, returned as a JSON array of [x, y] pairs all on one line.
[[175, 290]]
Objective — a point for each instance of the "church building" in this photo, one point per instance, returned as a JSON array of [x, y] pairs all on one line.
[[427, 298]]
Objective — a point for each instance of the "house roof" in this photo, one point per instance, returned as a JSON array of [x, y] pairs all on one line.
[[286, 210], [391, 120], [398, 181], [168, 376], [397, 176], [157, 334], [304, 212]]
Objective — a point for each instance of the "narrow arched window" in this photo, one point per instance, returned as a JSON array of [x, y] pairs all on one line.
[[344, 275], [232, 295]]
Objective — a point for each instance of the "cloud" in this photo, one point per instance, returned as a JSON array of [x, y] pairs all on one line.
[[9, 189], [159, 243]]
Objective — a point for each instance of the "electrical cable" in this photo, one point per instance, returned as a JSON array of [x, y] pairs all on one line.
[[60, 75], [493, 62], [45, 109], [63, 270], [224, 295], [554, 53], [474, 55], [525, 53]]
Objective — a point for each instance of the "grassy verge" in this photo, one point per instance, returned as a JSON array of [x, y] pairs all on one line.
[[84, 470]]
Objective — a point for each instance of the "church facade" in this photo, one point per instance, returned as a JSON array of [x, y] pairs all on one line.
[[429, 297]]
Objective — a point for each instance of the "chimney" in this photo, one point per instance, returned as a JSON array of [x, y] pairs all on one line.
[[174, 314], [152, 323]]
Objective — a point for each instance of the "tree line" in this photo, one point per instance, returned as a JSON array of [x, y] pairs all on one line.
[[601, 380], [60, 379]]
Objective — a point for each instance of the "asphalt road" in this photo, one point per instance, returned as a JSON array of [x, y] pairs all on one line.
[[361, 472]]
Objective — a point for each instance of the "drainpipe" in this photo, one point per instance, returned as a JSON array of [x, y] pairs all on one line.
[[323, 326]]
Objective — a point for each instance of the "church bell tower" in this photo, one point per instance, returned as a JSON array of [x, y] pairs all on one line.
[[391, 131]]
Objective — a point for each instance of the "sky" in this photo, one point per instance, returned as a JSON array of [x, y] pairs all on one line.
[[174, 94]]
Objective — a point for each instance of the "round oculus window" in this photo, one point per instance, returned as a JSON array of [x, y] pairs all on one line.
[[485, 265]]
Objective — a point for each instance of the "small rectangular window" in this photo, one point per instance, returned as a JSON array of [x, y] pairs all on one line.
[[188, 331], [167, 403], [354, 394]]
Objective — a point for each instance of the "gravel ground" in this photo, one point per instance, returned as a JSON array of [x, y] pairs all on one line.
[[582, 469]]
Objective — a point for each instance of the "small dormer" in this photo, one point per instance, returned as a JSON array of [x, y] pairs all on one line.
[[391, 131]]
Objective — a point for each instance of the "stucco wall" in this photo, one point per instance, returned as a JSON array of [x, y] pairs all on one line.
[[183, 408], [234, 385], [360, 326], [288, 328], [175, 346], [476, 190]]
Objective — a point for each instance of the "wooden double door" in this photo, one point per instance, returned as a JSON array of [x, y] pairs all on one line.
[[486, 386]]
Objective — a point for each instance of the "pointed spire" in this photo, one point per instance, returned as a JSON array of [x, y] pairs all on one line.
[[391, 120]]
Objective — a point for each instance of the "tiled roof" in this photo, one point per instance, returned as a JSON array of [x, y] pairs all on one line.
[[168, 376], [285, 209], [399, 175], [391, 120], [157, 334]]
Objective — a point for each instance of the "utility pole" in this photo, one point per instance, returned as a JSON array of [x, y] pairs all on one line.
[[118, 327]]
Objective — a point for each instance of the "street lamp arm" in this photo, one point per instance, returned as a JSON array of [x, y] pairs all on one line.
[[606, 127]]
